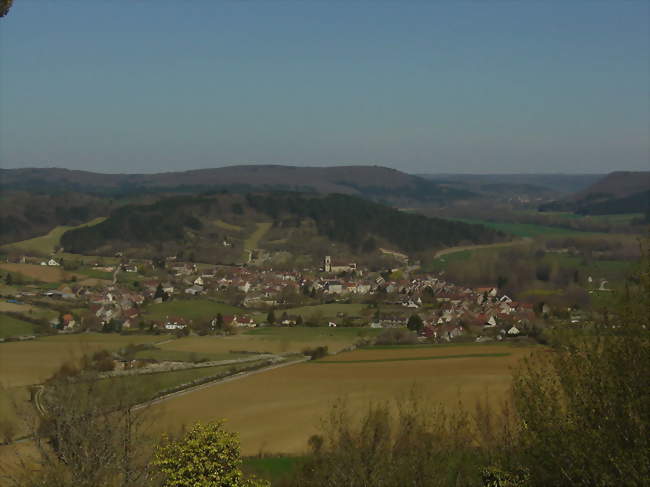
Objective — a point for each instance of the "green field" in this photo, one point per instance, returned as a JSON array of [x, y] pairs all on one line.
[[327, 310], [273, 468], [144, 387], [193, 309], [523, 229], [47, 244], [11, 327]]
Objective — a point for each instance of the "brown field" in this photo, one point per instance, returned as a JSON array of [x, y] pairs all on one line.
[[277, 411], [31, 362], [39, 272], [432, 351]]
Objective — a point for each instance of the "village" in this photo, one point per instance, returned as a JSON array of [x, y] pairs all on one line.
[[189, 298]]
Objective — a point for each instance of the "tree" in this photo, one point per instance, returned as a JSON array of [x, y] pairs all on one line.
[[8, 279], [160, 293], [87, 434], [583, 410], [219, 321], [415, 323], [270, 317], [206, 456]]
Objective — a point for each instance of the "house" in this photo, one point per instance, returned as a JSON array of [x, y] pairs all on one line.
[[513, 331], [331, 324], [243, 322], [174, 323]]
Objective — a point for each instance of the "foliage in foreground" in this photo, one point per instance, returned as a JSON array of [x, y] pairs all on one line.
[[207, 456]]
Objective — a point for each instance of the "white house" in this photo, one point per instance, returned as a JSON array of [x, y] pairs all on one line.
[[513, 331]]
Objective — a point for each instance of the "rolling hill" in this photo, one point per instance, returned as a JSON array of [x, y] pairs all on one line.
[[618, 192], [372, 182], [218, 228]]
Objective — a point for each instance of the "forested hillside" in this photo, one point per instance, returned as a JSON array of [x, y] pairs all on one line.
[[215, 225]]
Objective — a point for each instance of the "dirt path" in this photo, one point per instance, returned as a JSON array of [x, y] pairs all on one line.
[[461, 248]]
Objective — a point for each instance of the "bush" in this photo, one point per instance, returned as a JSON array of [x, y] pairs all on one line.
[[316, 353], [397, 336]]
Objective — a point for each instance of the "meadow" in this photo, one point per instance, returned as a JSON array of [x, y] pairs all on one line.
[[47, 244], [193, 309], [11, 327], [288, 403]]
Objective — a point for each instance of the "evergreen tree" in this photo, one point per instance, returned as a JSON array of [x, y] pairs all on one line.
[[415, 323], [271, 317]]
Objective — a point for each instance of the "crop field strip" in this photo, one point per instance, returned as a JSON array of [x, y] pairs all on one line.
[[403, 359]]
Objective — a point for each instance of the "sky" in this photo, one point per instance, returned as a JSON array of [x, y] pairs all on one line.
[[424, 87]]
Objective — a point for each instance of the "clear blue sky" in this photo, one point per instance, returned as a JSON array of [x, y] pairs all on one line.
[[145, 86]]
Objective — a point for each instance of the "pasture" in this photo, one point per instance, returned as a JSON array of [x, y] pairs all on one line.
[[287, 404], [31, 362], [12, 327]]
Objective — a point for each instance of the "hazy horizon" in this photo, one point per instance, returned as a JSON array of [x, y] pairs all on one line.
[[444, 88]]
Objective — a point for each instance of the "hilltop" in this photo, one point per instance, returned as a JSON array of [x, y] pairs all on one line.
[[372, 182], [618, 192]]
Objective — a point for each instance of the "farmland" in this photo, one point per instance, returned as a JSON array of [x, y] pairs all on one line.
[[271, 340], [39, 272], [31, 362], [289, 402]]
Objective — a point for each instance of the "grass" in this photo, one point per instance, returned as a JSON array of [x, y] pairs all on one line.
[[272, 468], [145, 387], [328, 310], [290, 402], [193, 309], [254, 238], [48, 243], [11, 327], [523, 229]]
